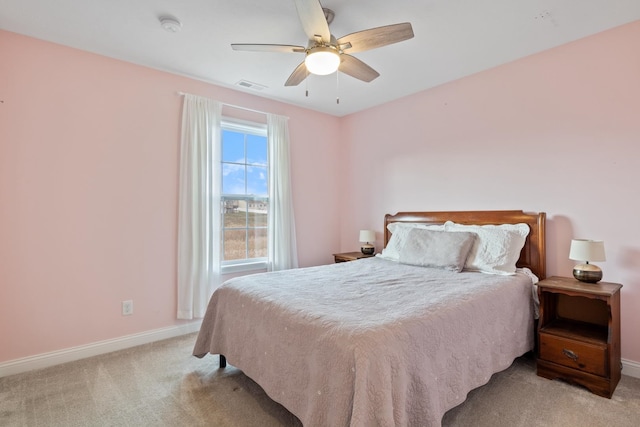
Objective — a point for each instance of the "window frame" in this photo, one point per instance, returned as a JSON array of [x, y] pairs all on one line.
[[247, 264]]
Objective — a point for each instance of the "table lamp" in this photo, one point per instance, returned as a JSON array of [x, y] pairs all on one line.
[[366, 237], [587, 250]]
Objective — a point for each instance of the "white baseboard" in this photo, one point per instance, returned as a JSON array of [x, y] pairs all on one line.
[[630, 368], [101, 347]]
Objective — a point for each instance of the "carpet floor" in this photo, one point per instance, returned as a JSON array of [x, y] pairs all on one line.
[[161, 384]]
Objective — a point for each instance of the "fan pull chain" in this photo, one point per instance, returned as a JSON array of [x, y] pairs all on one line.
[[337, 88], [306, 87]]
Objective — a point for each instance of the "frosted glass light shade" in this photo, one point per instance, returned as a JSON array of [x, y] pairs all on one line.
[[322, 60]]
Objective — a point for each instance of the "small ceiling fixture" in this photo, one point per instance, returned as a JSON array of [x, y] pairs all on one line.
[[170, 24], [322, 60]]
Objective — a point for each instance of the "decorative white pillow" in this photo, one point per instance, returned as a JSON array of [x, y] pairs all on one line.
[[436, 249], [399, 232], [395, 225], [497, 248]]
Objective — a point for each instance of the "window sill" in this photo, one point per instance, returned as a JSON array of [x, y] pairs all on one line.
[[243, 267]]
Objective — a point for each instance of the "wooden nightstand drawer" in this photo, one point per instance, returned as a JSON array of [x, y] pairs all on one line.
[[584, 356]]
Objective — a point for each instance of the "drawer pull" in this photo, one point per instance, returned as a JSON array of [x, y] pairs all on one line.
[[570, 354]]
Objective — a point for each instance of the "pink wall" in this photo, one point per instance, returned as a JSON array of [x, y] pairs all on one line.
[[557, 132], [88, 193], [89, 166]]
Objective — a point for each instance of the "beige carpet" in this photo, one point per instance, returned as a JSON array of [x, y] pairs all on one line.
[[161, 384]]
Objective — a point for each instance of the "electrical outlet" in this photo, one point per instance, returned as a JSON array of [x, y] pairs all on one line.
[[127, 308]]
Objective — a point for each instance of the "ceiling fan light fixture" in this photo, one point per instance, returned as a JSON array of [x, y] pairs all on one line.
[[322, 60]]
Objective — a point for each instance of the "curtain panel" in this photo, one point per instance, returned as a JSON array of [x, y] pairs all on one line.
[[199, 205], [283, 252]]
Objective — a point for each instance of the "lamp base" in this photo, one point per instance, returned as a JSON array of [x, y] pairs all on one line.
[[588, 273], [368, 249]]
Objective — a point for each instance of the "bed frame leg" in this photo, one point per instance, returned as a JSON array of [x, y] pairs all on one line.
[[223, 361]]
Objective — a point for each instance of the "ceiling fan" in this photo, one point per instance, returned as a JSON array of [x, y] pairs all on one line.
[[324, 53]]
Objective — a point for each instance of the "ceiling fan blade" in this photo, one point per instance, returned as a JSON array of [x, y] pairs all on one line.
[[355, 68], [298, 75], [313, 20], [284, 48], [376, 37]]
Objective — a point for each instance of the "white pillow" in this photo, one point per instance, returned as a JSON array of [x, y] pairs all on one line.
[[398, 238], [497, 248], [395, 225], [437, 249]]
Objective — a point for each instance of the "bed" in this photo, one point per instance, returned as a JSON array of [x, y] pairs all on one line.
[[383, 341]]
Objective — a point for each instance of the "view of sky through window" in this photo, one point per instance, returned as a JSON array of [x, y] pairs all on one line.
[[244, 158]]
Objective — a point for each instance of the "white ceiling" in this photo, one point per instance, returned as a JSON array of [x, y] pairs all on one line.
[[453, 39]]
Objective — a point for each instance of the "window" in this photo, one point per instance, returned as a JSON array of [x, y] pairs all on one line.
[[245, 196]]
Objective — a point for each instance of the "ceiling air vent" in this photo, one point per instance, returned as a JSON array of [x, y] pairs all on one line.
[[250, 85]]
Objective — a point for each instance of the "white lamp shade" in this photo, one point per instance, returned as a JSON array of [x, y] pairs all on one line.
[[367, 236], [587, 250]]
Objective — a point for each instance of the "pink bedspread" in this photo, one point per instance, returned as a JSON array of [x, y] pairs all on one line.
[[369, 342]]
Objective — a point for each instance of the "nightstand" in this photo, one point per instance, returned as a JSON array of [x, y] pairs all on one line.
[[579, 333], [350, 256]]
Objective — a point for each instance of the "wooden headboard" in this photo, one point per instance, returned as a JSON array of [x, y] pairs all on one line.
[[533, 254]]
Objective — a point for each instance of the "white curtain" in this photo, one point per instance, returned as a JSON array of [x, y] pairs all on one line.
[[199, 205], [283, 252]]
